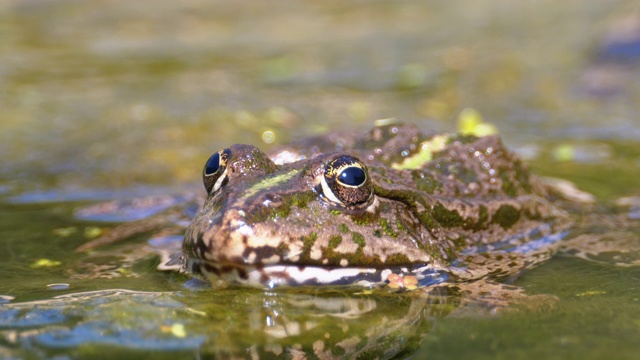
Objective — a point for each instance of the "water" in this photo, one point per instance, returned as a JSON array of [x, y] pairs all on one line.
[[117, 99]]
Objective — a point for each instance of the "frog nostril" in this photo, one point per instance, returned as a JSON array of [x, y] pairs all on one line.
[[272, 200]]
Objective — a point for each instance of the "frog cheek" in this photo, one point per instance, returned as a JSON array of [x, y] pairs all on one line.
[[214, 174], [345, 182]]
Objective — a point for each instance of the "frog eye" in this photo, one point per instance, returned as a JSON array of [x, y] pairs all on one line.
[[214, 173], [346, 182]]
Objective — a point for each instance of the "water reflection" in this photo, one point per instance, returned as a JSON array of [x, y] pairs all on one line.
[[75, 323], [224, 324], [294, 323]]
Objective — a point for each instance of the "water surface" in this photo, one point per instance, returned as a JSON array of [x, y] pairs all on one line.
[[114, 99]]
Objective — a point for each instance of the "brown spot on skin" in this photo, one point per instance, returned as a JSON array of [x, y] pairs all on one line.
[[262, 252], [210, 268], [506, 216], [242, 273], [200, 248]]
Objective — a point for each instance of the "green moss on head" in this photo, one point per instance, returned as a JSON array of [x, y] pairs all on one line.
[[424, 154], [360, 345], [447, 218], [388, 229], [308, 242], [280, 212], [522, 176], [427, 220], [364, 218], [424, 182], [398, 259], [334, 241], [338, 351], [301, 199], [483, 216], [400, 226], [460, 243], [262, 213], [358, 239], [507, 185]]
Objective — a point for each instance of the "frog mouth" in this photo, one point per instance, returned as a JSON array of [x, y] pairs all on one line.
[[272, 276]]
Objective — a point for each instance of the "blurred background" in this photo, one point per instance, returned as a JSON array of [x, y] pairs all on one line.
[[117, 94], [110, 99]]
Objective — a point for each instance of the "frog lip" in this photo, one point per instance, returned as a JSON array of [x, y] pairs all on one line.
[[273, 276]]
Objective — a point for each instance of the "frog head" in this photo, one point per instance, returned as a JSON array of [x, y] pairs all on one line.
[[316, 220]]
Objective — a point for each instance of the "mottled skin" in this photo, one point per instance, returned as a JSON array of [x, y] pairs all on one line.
[[452, 203]]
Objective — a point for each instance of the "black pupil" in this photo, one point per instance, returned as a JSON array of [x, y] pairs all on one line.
[[353, 176], [213, 164]]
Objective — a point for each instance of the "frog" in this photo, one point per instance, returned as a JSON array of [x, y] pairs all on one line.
[[392, 205], [450, 220]]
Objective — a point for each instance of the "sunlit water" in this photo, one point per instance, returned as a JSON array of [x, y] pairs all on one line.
[[106, 100]]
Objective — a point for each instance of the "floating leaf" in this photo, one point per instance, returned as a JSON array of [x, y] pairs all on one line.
[[45, 263], [565, 152], [470, 122], [92, 232], [65, 232], [592, 293], [178, 330]]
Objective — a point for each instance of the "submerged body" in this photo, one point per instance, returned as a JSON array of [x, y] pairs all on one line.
[[362, 209]]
